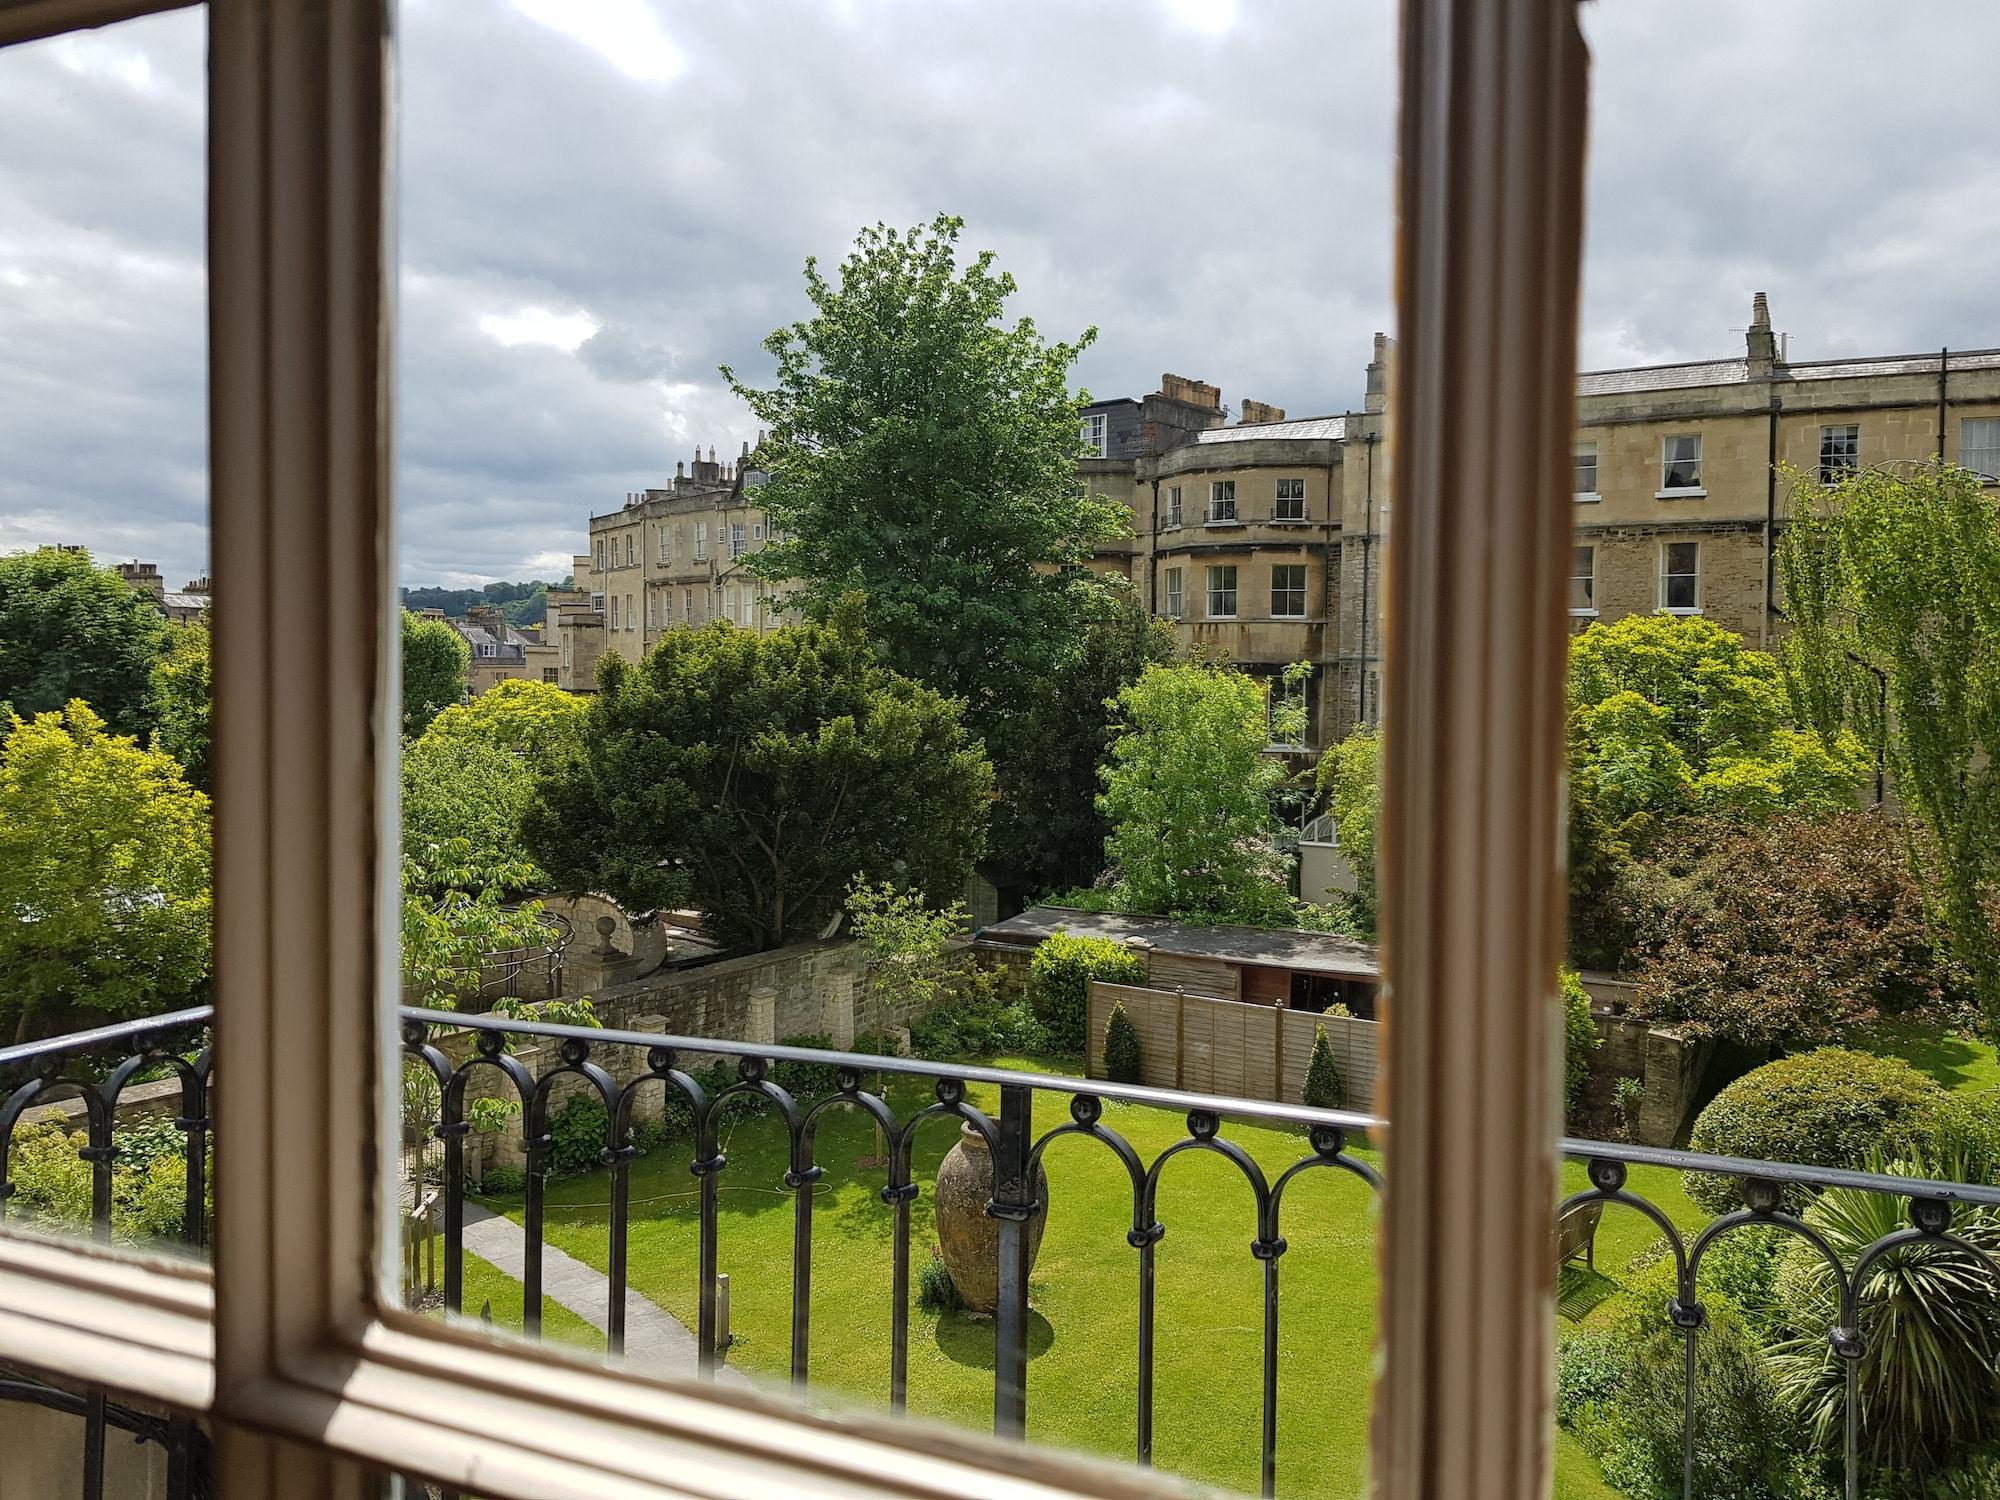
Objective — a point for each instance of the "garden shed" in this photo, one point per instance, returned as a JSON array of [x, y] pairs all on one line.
[[1308, 971]]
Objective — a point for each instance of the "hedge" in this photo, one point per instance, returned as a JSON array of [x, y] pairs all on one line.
[[1824, 1108], [1059, 982]]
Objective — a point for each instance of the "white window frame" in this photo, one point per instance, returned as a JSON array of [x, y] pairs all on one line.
[[1172, 606], [739, 539], [1839, 451], [1304, 591], [1173, 520], [1581, 554], [666, 544], [309, 1378], [1586, 494], [701, 541], [1982, 458], [1666, 556], [1215, 589], [1289, 492], [1095, 430], [600, 555], [1668, 463], [1221, 503]]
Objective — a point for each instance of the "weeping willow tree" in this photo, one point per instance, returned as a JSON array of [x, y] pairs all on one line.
[[1892, 586]]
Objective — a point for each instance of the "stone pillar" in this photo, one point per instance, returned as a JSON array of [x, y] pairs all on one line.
[[836, 1011], [761, 1023]]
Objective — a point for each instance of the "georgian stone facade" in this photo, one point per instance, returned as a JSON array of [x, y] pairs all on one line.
[[667, 559], [1679, 497]]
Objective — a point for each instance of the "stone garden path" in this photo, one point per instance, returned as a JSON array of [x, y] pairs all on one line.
[[654, 1338]]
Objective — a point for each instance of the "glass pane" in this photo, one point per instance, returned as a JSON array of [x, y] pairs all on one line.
[[855, 816], [104, 676], [1712, 892]]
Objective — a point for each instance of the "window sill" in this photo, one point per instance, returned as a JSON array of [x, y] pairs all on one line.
[[1695, 492], [1220, 620], [59, 1303], [1290, 521], [502, 1418], [1231, 522], [1588, 497], [1583, 614], [1667, 609]]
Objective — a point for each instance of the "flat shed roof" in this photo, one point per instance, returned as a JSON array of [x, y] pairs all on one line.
[[1277, 948]]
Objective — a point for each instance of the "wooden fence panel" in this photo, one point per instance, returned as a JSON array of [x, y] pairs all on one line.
[[1211, 1046]]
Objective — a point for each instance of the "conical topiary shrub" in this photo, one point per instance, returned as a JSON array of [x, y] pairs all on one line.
[[1121, 1047], [1324, 1089]]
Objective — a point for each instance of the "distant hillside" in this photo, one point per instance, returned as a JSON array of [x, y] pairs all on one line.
[[522, 603]]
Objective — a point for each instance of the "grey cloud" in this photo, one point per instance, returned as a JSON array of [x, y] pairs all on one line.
[[1218, 206]]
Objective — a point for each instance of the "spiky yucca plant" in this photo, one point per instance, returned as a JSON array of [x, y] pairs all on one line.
[[1929, 1316]]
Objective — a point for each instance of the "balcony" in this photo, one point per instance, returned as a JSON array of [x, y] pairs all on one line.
[[530, 1064]]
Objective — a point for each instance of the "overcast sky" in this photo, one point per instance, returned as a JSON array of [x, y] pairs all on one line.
[[602, 200]]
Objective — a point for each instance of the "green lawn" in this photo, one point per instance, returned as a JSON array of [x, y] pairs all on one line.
[[486, 1283], [1960, 1063], [1082, 1381]]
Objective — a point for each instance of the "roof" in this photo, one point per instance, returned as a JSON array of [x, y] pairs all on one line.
[[1663, 377], [194, 603], [1896, 364], [1278, 948], [1303, 427]]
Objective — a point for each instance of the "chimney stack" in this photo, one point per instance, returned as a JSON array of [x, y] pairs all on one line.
[[1377, 399], [1760, 343], [1258, 411]]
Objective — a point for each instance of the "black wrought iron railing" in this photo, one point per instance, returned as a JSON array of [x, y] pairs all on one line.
[[457, 1049]]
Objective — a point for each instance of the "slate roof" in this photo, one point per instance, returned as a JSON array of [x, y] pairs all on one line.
[[1304, 427], [1662, 377], [1281, 948]]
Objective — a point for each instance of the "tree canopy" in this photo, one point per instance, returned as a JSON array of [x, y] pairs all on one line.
[[1785, 932], [181, 695], [472, 775], [70, 629], [104, 873], [436, 662], [1047, 825], [757, 777], [535, 719], [1349, 780], [1671, 716], [1188, 792], [1892, 585], [922, 452]]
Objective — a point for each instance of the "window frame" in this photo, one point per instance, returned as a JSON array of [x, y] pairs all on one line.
[[1096, 433], [1173, 521], [1212, 590], [1666, 558], [1845, 460], [1216, 499], [1588, 609], [1172, 594], [1593, 493], [1279, 500], [306, 1374], [1668, 463], [1304, 591], [1991, 473]]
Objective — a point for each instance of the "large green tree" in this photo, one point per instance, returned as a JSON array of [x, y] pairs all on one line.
[[436, 662], [1047, 822], [1671, 716], [1188, 789], [104, 873], [181, 695], [69, 629], [922, 452], [1892, 585], [472, 775], [535, 719], [757, 777]]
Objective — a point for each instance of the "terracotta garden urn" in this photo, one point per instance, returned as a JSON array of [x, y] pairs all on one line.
[[968, 1236]]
